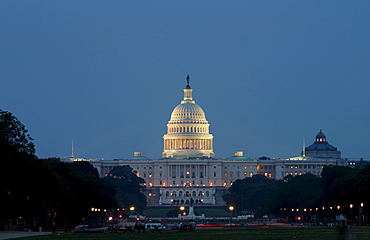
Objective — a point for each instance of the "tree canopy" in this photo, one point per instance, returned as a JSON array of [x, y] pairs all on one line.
[[250, 194], [41, 192], [337, 186], [14, 136], [129, 187]]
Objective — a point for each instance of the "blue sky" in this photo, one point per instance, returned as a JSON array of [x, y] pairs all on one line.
[[107, 74]]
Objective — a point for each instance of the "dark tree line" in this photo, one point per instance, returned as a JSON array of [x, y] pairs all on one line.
[[333, 192], [51, 193]]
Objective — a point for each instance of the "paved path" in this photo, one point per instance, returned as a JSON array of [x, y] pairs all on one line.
[[18, 234]]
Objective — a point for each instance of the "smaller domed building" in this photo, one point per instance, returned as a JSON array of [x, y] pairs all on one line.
[[321, 148]]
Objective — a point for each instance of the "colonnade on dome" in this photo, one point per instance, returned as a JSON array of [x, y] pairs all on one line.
[[183, 144], [188, 129]]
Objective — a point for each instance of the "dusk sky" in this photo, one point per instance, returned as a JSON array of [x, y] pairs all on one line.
[[108, 74]]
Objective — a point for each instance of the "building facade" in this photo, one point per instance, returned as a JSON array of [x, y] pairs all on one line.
[[188, 172]]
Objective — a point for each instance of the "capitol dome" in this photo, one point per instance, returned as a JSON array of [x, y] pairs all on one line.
[[188, 130], [188, 112]]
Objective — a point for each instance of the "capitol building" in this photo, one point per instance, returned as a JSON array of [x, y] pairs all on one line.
[[189, 172]]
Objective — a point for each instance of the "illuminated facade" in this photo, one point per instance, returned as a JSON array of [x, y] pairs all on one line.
[[189, 173]]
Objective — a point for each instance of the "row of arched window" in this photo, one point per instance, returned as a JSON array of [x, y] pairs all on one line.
[[188, 129], [188, 115], [187, 194]]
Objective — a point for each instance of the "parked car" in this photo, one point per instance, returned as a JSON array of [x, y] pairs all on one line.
[[154, 226]]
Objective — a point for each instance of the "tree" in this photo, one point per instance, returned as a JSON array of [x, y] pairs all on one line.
[[25, 182], [331, 180], [297, 192], [250, 194], [82, 190], [14, 136], [129, 187]]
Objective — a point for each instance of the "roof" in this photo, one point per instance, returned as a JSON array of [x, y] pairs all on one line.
[[321, 146]]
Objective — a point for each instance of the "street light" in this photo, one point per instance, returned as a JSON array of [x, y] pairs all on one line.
[[132, 209], [231, 208], [360, 213], [182, 209]]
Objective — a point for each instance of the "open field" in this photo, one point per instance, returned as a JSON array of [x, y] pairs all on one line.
[[242, 233]]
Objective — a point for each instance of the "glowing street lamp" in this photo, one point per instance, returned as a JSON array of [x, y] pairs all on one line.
[[231, 208], [182, 209], [132, 209], [360, 213]]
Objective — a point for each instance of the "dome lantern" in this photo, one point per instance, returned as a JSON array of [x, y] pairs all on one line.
[[320, 137]]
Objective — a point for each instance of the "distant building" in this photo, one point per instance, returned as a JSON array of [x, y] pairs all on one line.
[[321, 148], [189, 173]]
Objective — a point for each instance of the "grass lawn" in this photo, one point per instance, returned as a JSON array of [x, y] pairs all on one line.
[[242, 233]]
